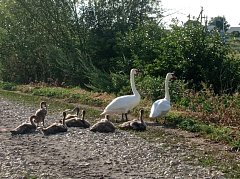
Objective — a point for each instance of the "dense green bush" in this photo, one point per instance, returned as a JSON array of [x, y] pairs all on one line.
[[192, 52], [7, 85], [95, 44]]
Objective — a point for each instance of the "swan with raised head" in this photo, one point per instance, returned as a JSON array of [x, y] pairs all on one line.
[[41, 113], [55, 127], [136, 124], [162, 106], [103, 126], [78, 122], [25, 128], [123, 104]]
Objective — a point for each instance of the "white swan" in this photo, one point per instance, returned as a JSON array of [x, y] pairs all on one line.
[[162, 106], [122, 104]]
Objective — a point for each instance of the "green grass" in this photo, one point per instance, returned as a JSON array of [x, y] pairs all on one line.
[[7, 86], [70, 95], [56, 105], [29, 176], [51, 92], [227, 163], [210, 131], [207, 160]]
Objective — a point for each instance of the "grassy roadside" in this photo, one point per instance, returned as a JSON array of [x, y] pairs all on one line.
[[55, 105], [62, 98], [69, 97]]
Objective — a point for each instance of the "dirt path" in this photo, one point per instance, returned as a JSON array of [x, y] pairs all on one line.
[[80, 153]]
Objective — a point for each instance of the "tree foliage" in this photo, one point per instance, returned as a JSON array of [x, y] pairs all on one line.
[[220, 23], [44, 41], [96, 43], [191, 51]]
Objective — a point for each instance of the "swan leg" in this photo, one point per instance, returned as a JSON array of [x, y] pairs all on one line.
[[121, 119], [126, 117], [122, 116], [164, 120]]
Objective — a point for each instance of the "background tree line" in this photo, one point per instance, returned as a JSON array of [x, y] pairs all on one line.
[[95, 43]]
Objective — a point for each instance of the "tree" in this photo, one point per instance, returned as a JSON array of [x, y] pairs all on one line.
[[198, 56], [220, 23], [45, 39], [109, 19], [59, 39]]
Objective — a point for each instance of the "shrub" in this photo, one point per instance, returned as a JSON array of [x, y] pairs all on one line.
[[51, 92], [7, 86], [210, 107]]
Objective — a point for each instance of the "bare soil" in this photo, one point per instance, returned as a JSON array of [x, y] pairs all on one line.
[[80, 153]]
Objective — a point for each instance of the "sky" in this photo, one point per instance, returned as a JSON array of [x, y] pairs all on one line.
[[230, 9]]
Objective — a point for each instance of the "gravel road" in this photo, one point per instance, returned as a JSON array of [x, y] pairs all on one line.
[[80, 153]]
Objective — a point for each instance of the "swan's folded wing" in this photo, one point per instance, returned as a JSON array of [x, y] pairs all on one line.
[[122, 104], [160, 108]]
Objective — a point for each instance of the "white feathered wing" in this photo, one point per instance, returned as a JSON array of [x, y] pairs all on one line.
[[122, 104], [160, 108]]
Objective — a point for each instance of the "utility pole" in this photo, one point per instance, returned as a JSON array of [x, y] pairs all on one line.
[[223, 30], [200, 16], [223, 24], [206, 23]]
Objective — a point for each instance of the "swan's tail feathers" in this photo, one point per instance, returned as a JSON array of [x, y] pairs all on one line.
[[152, 114]]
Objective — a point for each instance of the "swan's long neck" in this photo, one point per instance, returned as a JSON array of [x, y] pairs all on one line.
[[107, 117], [141, 117], [43, 104], [77, 109], [134, 90], [167, 96], [64, 118], [83, 115]]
